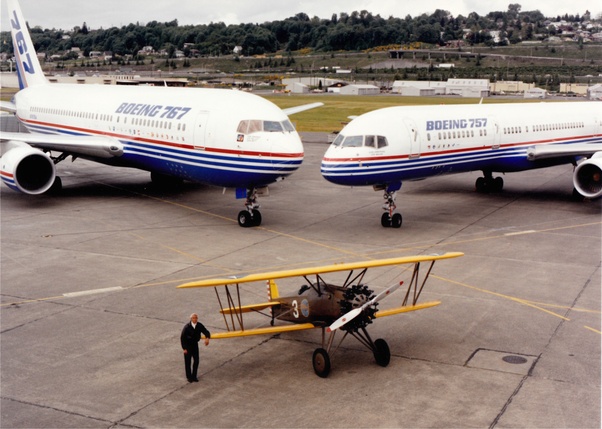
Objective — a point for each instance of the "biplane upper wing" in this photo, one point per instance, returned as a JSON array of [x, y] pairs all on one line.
[[273, 275]]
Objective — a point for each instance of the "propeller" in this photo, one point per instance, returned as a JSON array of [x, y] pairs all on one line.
[[350, 315]]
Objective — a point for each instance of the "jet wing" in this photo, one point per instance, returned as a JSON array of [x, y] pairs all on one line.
[[91, 146], [560, 150], [8, 106], [319, 270], [292, 110], [263, 331]]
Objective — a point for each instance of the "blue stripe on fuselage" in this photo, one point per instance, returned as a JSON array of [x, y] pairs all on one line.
[[368, 172]]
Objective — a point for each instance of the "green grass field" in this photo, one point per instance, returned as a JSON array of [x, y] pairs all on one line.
[[337, 108]]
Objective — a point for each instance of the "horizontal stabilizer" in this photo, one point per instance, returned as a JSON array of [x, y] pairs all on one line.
[[407, 309], [263, 331], [248, 308]]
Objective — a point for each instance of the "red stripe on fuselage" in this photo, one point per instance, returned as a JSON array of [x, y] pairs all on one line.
[[163, 142], [458, 151]]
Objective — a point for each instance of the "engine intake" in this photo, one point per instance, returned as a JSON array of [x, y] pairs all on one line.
[[28, 170], [587, 178]]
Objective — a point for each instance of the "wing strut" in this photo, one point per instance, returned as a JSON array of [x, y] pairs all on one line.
[[413, 286], [235, 310]]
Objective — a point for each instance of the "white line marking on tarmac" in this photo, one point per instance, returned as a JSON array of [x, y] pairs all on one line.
[[520, 233], [92, 292]]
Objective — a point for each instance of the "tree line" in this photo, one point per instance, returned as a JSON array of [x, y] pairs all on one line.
[[342, 32]]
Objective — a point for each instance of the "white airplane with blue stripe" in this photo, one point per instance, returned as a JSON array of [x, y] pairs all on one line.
[[385, 147], [218, 137]]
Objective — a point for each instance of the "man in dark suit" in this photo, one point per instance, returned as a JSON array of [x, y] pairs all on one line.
[[191, 335]]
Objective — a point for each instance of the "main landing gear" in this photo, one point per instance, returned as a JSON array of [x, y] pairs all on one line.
[[488, 183], [354, 297], [250, 216], [390, 219], [379, 348]]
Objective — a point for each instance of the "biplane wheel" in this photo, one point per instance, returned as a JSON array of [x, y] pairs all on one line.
[[321, 362], [382, 354], [396, 220]]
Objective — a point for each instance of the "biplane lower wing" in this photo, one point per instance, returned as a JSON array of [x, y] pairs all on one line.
[[249, 308], [264, 331], [406, 309]]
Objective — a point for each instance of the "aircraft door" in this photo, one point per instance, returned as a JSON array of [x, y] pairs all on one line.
[[415, 138], [496, 133], [201, 133]]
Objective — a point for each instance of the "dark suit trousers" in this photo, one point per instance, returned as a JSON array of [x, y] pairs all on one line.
[[192, 357]]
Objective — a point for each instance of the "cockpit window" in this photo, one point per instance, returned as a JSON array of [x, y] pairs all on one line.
[[288, 126], [358, 141], [353, 141], [338, 140], [381, 141], [272, 126], [251, 126]]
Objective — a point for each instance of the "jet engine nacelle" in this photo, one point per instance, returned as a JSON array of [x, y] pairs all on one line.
[[587, 178], [27, 170]]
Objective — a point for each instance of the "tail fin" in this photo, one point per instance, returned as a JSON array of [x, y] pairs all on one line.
[[272, 290], [29, 69]]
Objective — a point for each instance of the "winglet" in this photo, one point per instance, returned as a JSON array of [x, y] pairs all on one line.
[[29, 69]]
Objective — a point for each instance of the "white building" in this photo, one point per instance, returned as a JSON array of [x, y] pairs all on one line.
[[357, 89], [298, 88], [418, 88], [595, 92], [535, 93], [468, 87]]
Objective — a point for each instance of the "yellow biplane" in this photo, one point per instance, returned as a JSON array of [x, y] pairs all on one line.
[[348, 307]]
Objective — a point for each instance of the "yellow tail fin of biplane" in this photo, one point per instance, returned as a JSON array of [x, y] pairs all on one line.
[[273, 289]]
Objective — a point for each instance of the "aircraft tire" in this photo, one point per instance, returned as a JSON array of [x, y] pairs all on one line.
[[256, 218], [57, 186], [498, 184], [481, 185], [396, 220], [244, 219], [385, 220], [382, 354], [321, 363]]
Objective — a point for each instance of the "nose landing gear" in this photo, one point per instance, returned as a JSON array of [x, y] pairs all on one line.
[[390, 219], [250, 216]]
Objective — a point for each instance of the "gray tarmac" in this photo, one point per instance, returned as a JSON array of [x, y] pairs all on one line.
[[91, 317]]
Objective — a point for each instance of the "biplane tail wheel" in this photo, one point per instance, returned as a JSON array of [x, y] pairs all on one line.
[[321, 362], [382, 354]]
